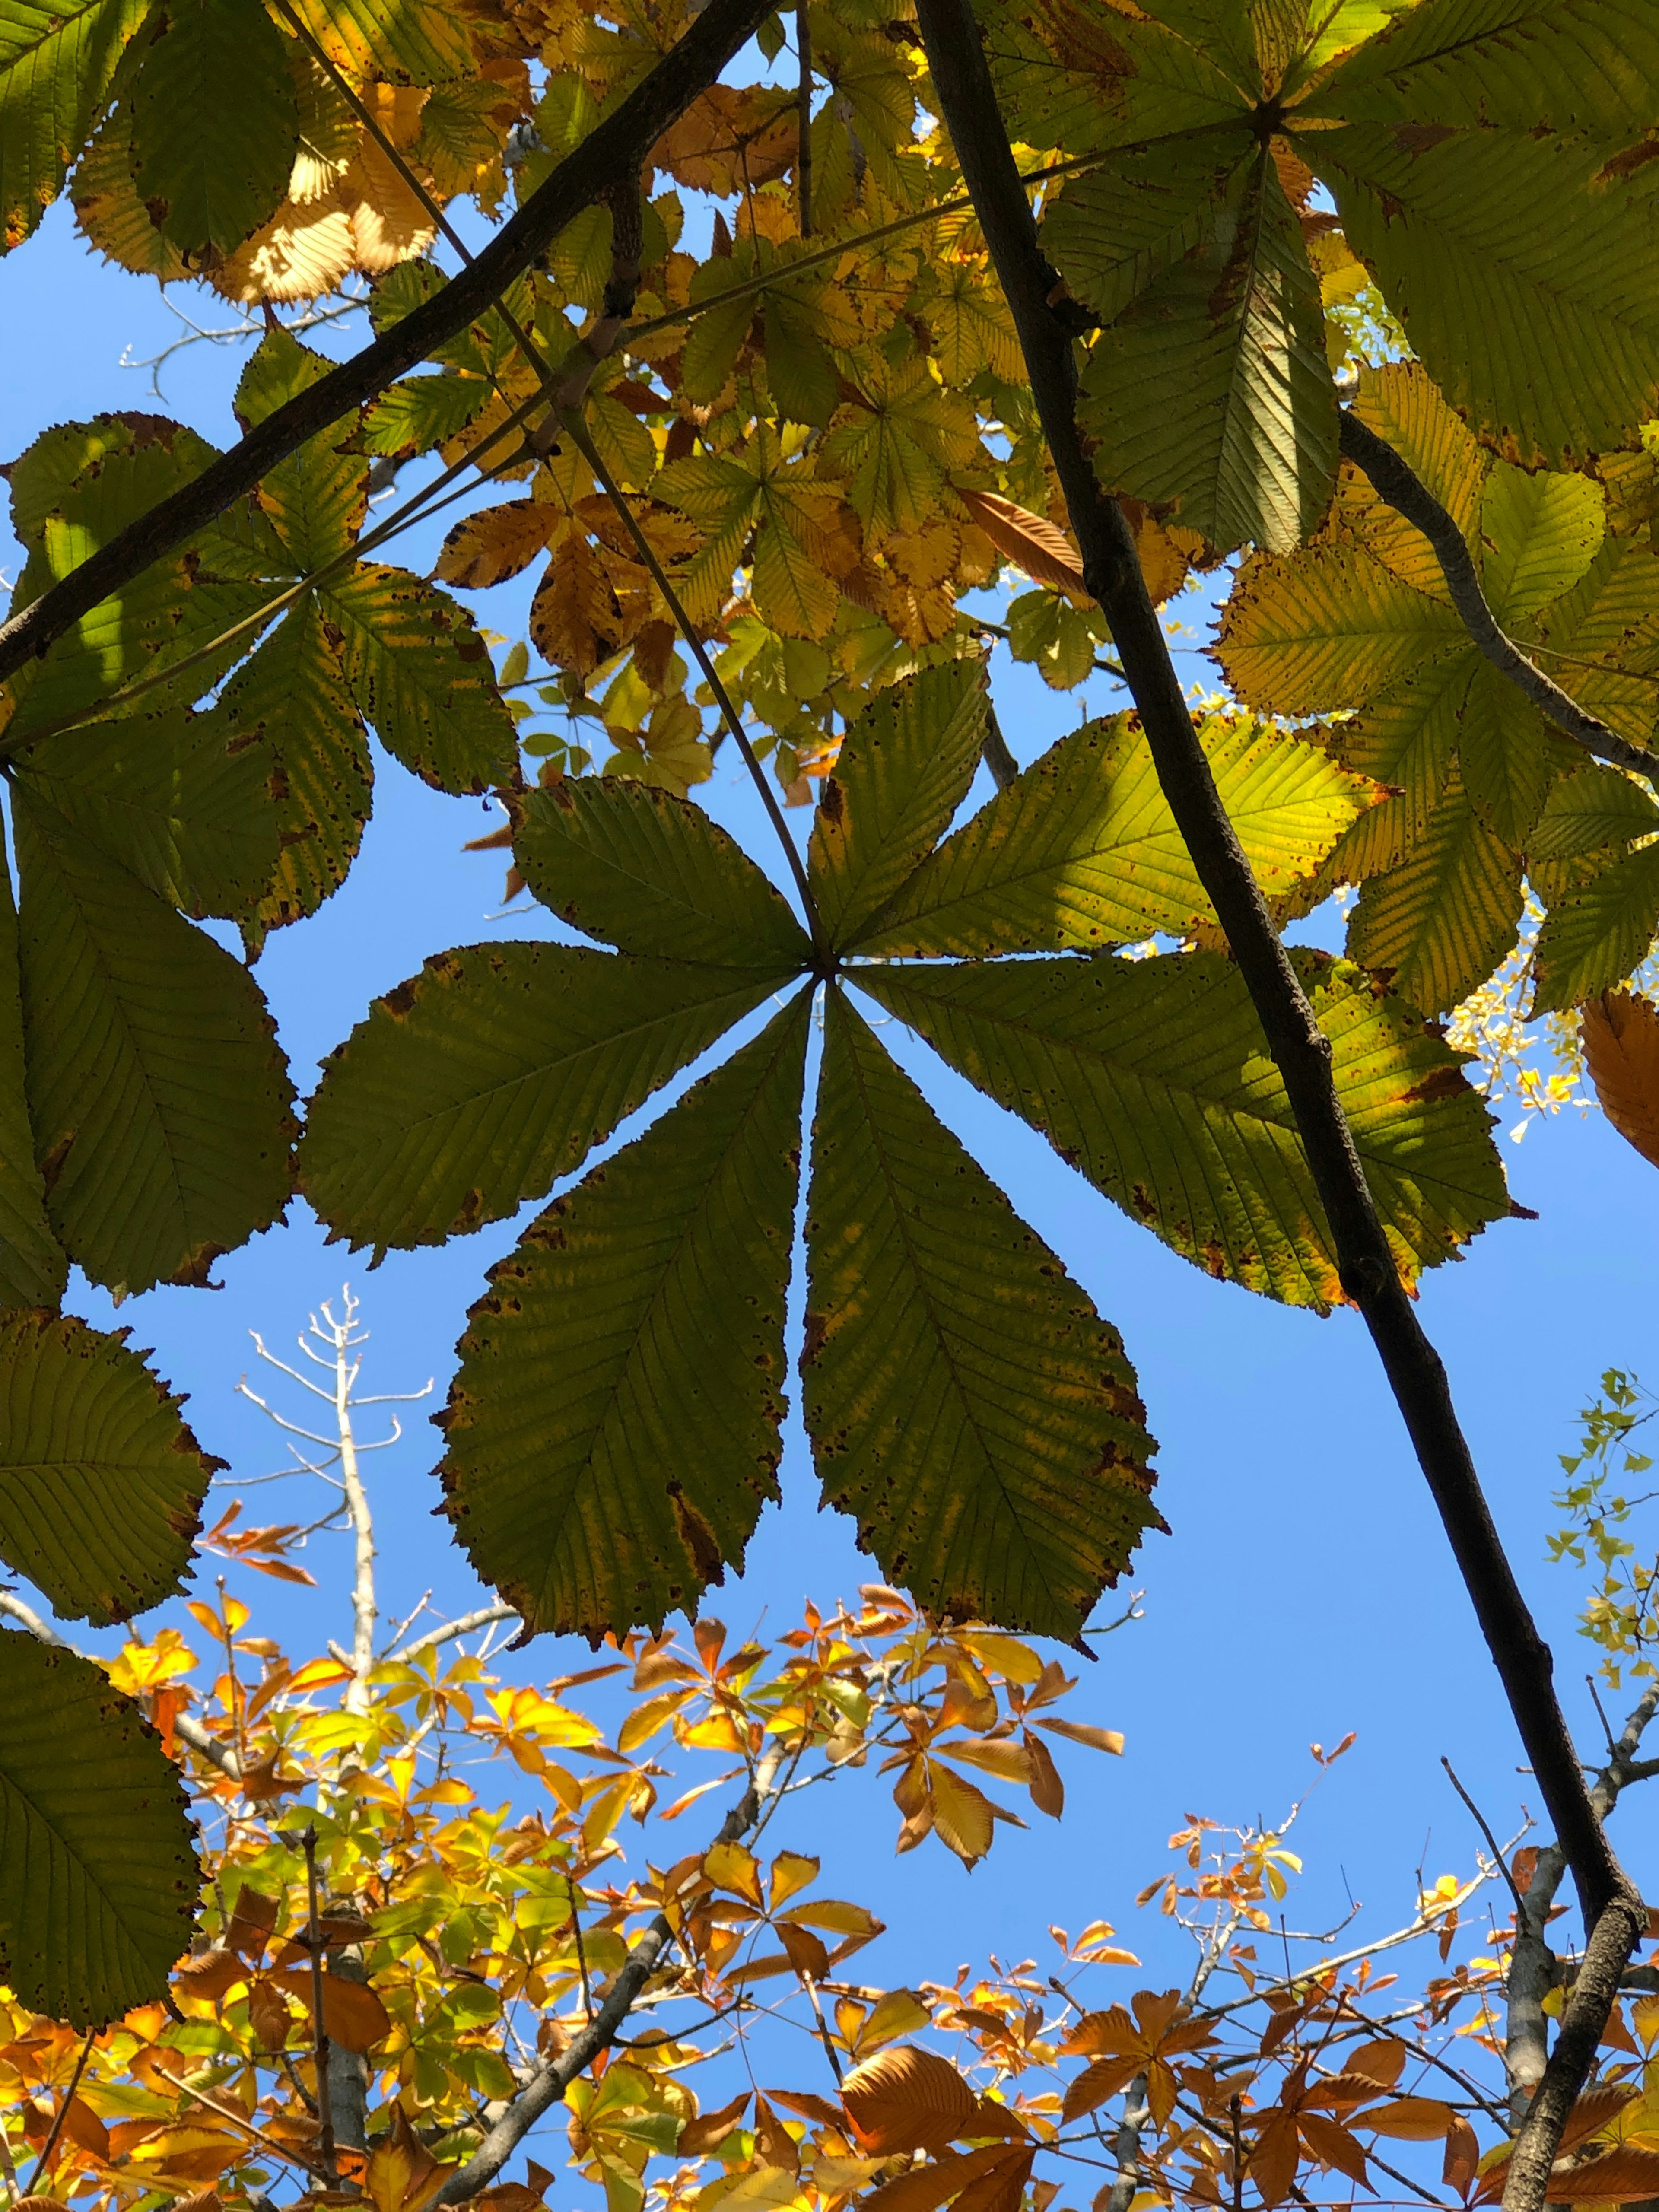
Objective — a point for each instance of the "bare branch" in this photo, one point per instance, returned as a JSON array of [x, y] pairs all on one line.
[[463, 1626]]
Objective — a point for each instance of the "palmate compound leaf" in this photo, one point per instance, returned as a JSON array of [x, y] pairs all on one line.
[[1152, 1077], [613, 1430], [1081, 850], [903, 769], [649, 873], [1439, 914], [98, 1879], [33, 1268], [966, 1403], [482, 1080], [158, 1099], [57, 58], [101, 1483]]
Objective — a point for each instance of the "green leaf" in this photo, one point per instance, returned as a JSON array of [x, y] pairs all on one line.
[[101, 1483], [1210, 394], [98, 1879], [1504, 749], [292, 696], [74, 490], [397, 41], [1327, 629], [1598, 936], [965, 1401], [613, 1431], [158, 1099], [1115, 232], [1153, 1078], [1561, 64], [1404, 408], [215, 123], [1525, 271], [484, 1079], [1588, 810], [1407, 734], [33, 1266], [57, 58], [316, 499], [1081, 850], [1062, 640], [184, 802], [422, 412], [1439, 922], [1067, 77], [903, 769], [421, 674], [649, 873], [1539, 536]]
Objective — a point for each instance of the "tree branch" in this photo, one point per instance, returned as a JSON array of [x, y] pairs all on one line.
[[484, 1617], [1397, 483], [550, 2080], [1367, 1271], [613, 150]]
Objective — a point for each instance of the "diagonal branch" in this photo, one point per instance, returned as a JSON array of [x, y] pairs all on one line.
[[967, 100], [1396, 482], [613, 150], [548, 2083]]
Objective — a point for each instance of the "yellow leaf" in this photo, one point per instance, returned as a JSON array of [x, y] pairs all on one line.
[[734, 1867]]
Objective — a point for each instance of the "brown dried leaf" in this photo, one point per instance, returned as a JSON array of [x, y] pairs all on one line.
[[1621, 1049], [907, 2099], [500, 543]]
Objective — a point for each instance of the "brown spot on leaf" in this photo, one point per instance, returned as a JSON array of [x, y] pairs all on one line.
[[194, 1273], [1141, 1200], [1422, 137], [699, 1538], [1439, 1083], [832, 805], [53, 1166], [397, 1003], [816, 1329], [1626, 164]]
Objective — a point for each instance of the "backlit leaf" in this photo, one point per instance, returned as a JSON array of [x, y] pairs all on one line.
[[101, 1483], [1621, 1050], [484, 1079], [612, 1432], [965, 1401], [1153, 1078]]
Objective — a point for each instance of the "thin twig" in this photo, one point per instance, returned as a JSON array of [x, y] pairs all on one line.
[[1493, 1844]]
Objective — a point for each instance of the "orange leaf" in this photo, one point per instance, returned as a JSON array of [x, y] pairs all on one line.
[[252, 1922], [806, 2106], [1047, 555], [1622, 2177], [501, 542], [806, 1953], [1097, 2082], [1621, 1050], [925, 2188], [1274, 2154], [353, 2016], [1000, 2188], [962, 1815], [1097, 1739], [209, 1974], [1412, 2119], [1380, 2062], [1332, 2145], [269, 2013], [1048, 1790], [709, 2130], [1462, 2158], [907, 2099]]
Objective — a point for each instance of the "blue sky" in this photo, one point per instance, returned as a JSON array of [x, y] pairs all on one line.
[[1305, 1590]]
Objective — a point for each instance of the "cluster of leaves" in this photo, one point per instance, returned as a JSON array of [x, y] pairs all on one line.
[[812, 443], [1618, 1612], [479, 1889]]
